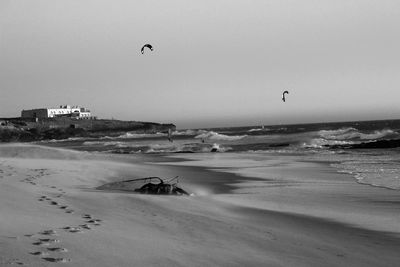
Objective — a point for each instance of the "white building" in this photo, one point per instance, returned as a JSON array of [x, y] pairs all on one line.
[[62, 111]]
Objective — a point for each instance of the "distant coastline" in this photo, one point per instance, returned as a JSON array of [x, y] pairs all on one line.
[[30, 129]]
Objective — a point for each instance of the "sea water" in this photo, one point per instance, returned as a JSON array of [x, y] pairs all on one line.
[[249, 149]]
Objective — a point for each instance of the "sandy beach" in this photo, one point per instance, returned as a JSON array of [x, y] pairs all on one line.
[[51, 214], [268, 131]]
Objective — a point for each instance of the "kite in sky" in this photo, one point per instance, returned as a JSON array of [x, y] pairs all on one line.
[[149, 46], [283, 96]]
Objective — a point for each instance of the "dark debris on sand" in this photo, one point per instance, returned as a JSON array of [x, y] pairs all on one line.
[[154, 185]]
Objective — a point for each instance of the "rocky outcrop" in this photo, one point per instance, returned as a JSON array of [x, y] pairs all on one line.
[[23, 130]]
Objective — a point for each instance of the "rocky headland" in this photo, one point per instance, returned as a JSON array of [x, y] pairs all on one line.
[[27, 129]]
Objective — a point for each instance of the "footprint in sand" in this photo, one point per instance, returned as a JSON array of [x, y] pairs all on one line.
[[72, 229], [57, 249], [87, 216], [56, 259], [42, 198], [93, 222], [76, 230], [54, 203], [63, 207], [96, 224], [69, 211], [48, 232], [85, 226], [39, 253], [42, 243]]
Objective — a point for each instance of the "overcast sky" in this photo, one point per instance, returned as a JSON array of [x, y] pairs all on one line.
[[215, 62]]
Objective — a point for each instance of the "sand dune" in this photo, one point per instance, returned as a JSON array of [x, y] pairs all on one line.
[[51, 214]]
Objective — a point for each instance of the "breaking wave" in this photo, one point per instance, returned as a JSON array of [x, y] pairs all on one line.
[[354, 134], [259, 130], [110, 143], [295, 138], [347, 136], [64, 140], [379, 134], [188, 132], [137, 135], [221, 137], [321, 143]]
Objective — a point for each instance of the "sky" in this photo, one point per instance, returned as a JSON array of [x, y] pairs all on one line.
[[215, 62]]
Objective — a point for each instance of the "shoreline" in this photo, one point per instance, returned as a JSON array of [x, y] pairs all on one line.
[[146, 230], [309, 187]]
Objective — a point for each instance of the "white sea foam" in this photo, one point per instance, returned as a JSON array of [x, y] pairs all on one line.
[[216, 136], [141, 135], [376, 171], [64, 140], [106, 137], [188, 132], [354, 134], [259, 130], [377, 134], [109, 143], [339, 134], [321, 143]]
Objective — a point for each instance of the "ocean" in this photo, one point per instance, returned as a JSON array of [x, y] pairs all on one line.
[[246, 150]]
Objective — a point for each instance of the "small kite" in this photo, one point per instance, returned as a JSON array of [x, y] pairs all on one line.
[[149, 46], [283, 96]]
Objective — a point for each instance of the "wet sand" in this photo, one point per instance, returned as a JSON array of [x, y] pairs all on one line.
[[51, 214]]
